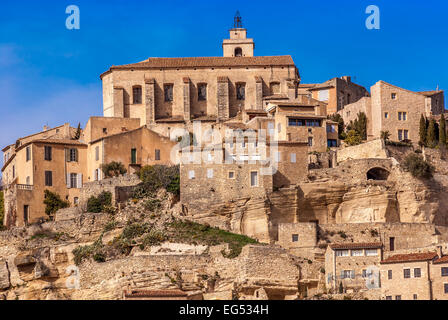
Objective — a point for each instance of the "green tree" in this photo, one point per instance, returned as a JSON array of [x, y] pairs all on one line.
[[442, 131], [336, 117], [53, 203], [431, 140], [359, 125], [353, 138], [78, 132], [422, 131], [113, 169]]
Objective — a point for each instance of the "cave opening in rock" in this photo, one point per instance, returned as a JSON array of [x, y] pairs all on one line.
[[377, 174]]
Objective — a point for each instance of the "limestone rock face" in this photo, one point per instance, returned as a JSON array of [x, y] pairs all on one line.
[[4, 275]]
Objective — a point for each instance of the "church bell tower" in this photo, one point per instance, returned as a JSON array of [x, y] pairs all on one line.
[[238, 45]]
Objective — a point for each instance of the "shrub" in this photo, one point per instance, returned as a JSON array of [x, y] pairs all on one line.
[[134, 230], [110, 226], [342, 234], [418, 167], [353, 138], [156, 177], [113, 169], [102, 203], [53, 203], [152, 204], [152, 238], [385, 135], [84, 252]]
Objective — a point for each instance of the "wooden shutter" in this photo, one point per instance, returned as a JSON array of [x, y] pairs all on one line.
[[68, 181], [76, 155], [79, 182]]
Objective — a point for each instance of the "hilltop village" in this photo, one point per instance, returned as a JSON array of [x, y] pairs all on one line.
[[230, 178]]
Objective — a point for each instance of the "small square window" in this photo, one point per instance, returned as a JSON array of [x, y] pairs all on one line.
[[157, 154], [209, 173], [415, 296], [407, 273], [386, 115], [389, 274], [444, 271], [191, 174], [388, 297], [445, 287], [254, 179], [393, 96], [295, 238], [293, 158], [231, 175], [417, 273], [397, 297]]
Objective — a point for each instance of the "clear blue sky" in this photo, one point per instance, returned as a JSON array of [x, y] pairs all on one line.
[[50, 75]]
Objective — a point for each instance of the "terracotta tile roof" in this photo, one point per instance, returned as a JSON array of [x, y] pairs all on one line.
[[410, 257], [444, 259], [351, 245], [154, 293], [192, 62]]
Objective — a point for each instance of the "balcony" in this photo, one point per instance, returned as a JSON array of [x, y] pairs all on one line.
[[27, 187]]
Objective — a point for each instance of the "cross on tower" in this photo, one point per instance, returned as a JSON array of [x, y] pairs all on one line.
[[237, 21]]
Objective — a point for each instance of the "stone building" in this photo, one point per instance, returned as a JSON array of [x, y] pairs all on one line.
[[51, 159], [336, 92], [394, 109], [353, 266]]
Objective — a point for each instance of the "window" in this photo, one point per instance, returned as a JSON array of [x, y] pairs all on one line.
[[389, 274], [393, 96], [105, 130], [331, 143], [405, 134], [28, 180], [415, 296], [400, 135], [386, 115], [137, 94], [417, 273], [357, 253], [364, 273], [28, 153], [231, 175], [341, 253], [13, 172], [240, 91], [371, 252], [293, 158], [295, 238], [75, 200], [407, 273], [445, 287], [168, 91], [310, 141], [238, 52], [402, 116], [72, 155], [391, 243], [444, 271], [191, 174], [48, 178], [331, 128], [254, 179], [209, 173], [73, 180], [388, 297], [157, 152], [348, 274], [397, 297], [202, 92], [303, 122], [47, 152], [133, 156], [97, 153]]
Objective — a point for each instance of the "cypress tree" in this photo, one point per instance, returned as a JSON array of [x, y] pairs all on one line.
[[431, 134], [442, 131], [422, 131]]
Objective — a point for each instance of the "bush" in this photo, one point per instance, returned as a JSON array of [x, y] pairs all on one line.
[[353, 138], [53, 203], [156, 177], [152, 205], [84, 252], [113, 169], [153, 238], [418, 167], [102, 203]]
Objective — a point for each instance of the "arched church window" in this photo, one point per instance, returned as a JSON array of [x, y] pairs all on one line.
[[202, 91], [240, 91], [238, 52], [168, 90], [137, 94]]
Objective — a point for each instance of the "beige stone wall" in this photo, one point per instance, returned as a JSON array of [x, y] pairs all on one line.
[[306, 232], [405, 287], [438, 281], [350, 113], [373, 149], [100, 127]]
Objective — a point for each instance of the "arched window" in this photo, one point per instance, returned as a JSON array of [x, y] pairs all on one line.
[[137, 94], [238, 52]]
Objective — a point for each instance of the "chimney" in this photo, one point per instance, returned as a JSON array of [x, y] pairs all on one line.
[[439, 251], [45, 128]]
